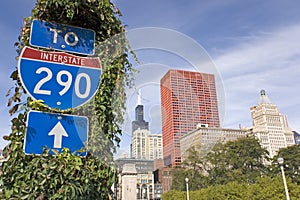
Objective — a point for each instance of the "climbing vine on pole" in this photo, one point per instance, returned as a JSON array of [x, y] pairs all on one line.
[[65, 175]]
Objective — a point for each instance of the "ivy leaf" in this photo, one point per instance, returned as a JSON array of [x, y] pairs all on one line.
[[5, 137], [8, 92], [14, 75], [13, 109]]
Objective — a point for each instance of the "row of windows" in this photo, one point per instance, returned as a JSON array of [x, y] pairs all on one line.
[[183, 81], [273, 119], [270, 110], [190, 76], [264, 139], [191, 89], [182, 94], [275, 129]]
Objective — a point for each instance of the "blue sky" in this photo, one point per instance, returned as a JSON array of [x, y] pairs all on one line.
[[251, 44]]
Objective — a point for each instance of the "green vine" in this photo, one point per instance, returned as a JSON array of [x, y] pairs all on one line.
[[65, 175]]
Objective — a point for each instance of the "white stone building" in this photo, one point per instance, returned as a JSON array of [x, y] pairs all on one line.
[[146, 145], [204, 138], [270, 126]]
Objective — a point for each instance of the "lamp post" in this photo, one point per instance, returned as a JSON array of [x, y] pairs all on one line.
[[187, 188], [280, 162]]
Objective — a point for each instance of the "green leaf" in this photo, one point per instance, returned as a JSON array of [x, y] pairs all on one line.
[[14, 75]]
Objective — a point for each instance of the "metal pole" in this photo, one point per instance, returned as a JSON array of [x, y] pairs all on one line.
[[187, 189], [284, 183]]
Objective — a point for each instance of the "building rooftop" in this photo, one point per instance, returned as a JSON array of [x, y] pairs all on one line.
[[264, 99]]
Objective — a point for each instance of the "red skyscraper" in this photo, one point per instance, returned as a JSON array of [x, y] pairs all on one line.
[[187, 99]]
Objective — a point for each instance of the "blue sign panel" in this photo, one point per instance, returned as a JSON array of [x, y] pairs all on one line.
[[61, 80], [55, 131], [62, 37]]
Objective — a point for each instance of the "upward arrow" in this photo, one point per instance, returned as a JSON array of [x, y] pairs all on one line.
[[58, 131]]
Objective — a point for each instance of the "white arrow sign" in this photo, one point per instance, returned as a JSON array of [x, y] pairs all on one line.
[[58, 131]]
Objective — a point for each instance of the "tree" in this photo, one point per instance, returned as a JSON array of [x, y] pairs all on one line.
[[240, 160], [291, 156], [264, 189], [269, 188], [65, 175], [173, 194], [193, 168], [178, 179], [194, 159]]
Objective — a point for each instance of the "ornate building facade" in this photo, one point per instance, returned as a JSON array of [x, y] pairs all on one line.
[[270, 126]]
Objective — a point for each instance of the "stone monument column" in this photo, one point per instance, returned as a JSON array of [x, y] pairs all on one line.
[[129, 182]]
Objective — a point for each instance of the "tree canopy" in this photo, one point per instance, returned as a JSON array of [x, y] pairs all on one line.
[[265, 188], [237, 169], [241, 160], [291, 156]]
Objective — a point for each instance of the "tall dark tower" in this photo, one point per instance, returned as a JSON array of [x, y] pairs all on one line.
[[139, 116]]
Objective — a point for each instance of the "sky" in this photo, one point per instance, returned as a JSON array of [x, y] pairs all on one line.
[[249, 45]]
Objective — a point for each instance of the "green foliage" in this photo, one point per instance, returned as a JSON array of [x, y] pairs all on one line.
[[236, 170], [61, 176], [232, 190], [178, 179], [194, 159], [291, 156], [192, 167], [196, 179], [265, 188], [66, 176], [173, 194], [240, 160]]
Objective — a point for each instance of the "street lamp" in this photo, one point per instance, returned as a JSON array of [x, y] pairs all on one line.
[[280, 162], [187, 188]]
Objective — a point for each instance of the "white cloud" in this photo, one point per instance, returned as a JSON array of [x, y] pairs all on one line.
[[275, 48], [268, 61]]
